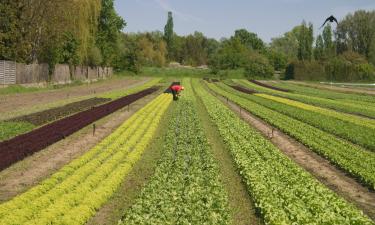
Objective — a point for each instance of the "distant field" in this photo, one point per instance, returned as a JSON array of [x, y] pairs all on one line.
[[229, 151]]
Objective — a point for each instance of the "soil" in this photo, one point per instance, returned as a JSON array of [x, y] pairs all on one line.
[[29, 172], [328, 174], [24, 145], [16, 102], [242, 89], [269, 86], [41, 118]]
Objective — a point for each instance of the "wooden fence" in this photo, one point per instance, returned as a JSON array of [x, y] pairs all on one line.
[[20, 73]]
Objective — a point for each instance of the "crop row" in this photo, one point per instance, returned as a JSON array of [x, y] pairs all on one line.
[[358, 120], [359, 134], [347, 107], [283, 192], [18, 148], [185, 188], [25, 123], [353, 159], [305, 90], [74, 193]]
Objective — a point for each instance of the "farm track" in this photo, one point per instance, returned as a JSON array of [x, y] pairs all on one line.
[[43, 117], [332, 177], [19, 103], [29, 172], [18, 148]]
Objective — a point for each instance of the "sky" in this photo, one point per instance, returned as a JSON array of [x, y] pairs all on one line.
[[220, 18]]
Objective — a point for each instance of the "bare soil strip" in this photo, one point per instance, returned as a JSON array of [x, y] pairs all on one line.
[[132, 186], [268, 86], [43, 117], [15, 102], [243, 210], [29, 172], [328, 174]]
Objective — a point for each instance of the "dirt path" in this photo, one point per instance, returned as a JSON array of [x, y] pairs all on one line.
[[16, 102], [319, 167], [29, 172]]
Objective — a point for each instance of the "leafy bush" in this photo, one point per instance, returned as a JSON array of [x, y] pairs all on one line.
[[347, 67], [278, 59], [258, 66]]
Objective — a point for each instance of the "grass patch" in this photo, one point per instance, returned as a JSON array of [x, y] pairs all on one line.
[[184, 72], [11, 129], [17, 89]]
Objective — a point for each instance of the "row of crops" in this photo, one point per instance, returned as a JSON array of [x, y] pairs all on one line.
[[73, 194], [347, 107], [185, 188], [283, 192], [11, 127], [355, 160], [305, 90], [17, 148], [355, 129]]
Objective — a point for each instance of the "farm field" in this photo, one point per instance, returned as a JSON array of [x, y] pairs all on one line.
[[219, 155]]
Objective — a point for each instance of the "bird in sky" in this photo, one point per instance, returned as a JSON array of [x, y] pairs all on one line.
[[330, 19]]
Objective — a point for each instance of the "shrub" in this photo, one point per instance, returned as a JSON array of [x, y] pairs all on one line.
[[258, 66]]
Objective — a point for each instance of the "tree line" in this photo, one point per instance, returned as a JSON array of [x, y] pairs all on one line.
[[344, 54], [74, 32], [82, 32]]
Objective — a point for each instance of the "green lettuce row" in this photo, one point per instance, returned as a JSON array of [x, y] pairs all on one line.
[[103, 176], [356, 161], [185, 188], [361, 135], [283, 192], [347, 107], [335, 95], [73, 170]]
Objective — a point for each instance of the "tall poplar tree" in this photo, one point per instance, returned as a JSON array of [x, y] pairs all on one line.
[[168, 34]]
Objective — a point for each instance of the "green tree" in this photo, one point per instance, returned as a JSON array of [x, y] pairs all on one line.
[[356, 32], [287, 44], [169, 34], [69, 49], [329, 48], [319, 48], [277, 59], [258, 66], [250, 40], [231, 55], [305, 41], [109, 29]]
